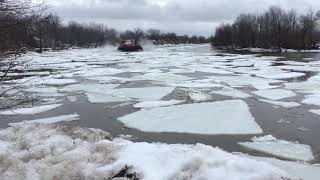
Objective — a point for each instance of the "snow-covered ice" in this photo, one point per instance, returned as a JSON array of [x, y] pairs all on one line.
[[153, 104], [274, 94], [281, 148], [31, 110], [202, 118], [313, 99], [50, 120], [143, 94]]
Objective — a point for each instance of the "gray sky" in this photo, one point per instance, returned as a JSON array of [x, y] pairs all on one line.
[[181, 16]]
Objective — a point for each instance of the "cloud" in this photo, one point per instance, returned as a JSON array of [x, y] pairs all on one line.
[[182, 16]]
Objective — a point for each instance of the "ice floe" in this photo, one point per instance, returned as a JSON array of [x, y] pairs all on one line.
[[274, 94], [315, 111], [143, 94], [313, 99], [281, 103], [31, 110], [281, 148], [202, 118], [50, 120], [232, 93], [153, 104], [198, 96]]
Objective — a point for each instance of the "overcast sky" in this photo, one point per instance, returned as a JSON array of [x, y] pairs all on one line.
[[181, 16]]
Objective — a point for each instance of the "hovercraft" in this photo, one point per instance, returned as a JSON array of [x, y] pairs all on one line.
[[130, 46]]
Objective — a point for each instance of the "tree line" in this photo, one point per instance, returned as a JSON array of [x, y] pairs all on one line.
[[276, 28], [24, 26]]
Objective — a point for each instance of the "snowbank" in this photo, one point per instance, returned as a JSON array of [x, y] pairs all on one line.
[[34, 152]]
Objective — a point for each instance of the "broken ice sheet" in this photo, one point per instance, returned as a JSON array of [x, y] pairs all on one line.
[[50, 120], [31, 110], [223, 117], [153, 104], [143, 94], [198, 96], [281, 103], [275, 94], [289, 150], [232, 93], [313, 99], [315, 111]]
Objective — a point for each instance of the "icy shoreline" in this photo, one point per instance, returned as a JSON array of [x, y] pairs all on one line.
[[34, 151]]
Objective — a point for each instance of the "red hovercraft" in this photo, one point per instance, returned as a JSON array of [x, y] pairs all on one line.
[[130, 46]]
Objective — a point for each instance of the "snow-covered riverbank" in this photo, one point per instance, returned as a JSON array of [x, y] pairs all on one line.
[[35, 151]]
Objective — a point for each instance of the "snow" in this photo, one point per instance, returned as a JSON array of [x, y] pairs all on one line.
[[32, 110], [315, 111], [152, 104], [281, 148], [274, 94], [202, 118], [281, 103], [81, 153], [50, 120]]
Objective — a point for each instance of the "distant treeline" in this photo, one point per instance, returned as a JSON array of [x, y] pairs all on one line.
[[23, 25], [276, 28]]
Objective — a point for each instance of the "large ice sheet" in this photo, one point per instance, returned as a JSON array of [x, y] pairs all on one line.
[[202, 118], [232, 93], [32, 110], [281, 148], [274, 94]]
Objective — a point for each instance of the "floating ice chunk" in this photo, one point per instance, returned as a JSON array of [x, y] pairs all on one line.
[[165, 78], [245, 80], [281, 148], [105, 98], [274, 94], [203, 118], [232, 93], [310, 86], [313, 99], [198, 96], [99, 72], [192, 84], [59, 82], [281, 103], [143, 94], [153, 104], [51, 120], [45, 91], [32, 110], [92, 88], [280, 75], [315, 111], [72, 98], [296, 170]]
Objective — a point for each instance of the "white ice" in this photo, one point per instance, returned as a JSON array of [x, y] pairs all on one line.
[[50, 120], [153, 104], [281, 103], [143, 94], [198, 96], [313, 99], [222, 117], [80, 153], [31, 110], [232, 93], [274, 94], [281, 148], [315, 111]]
